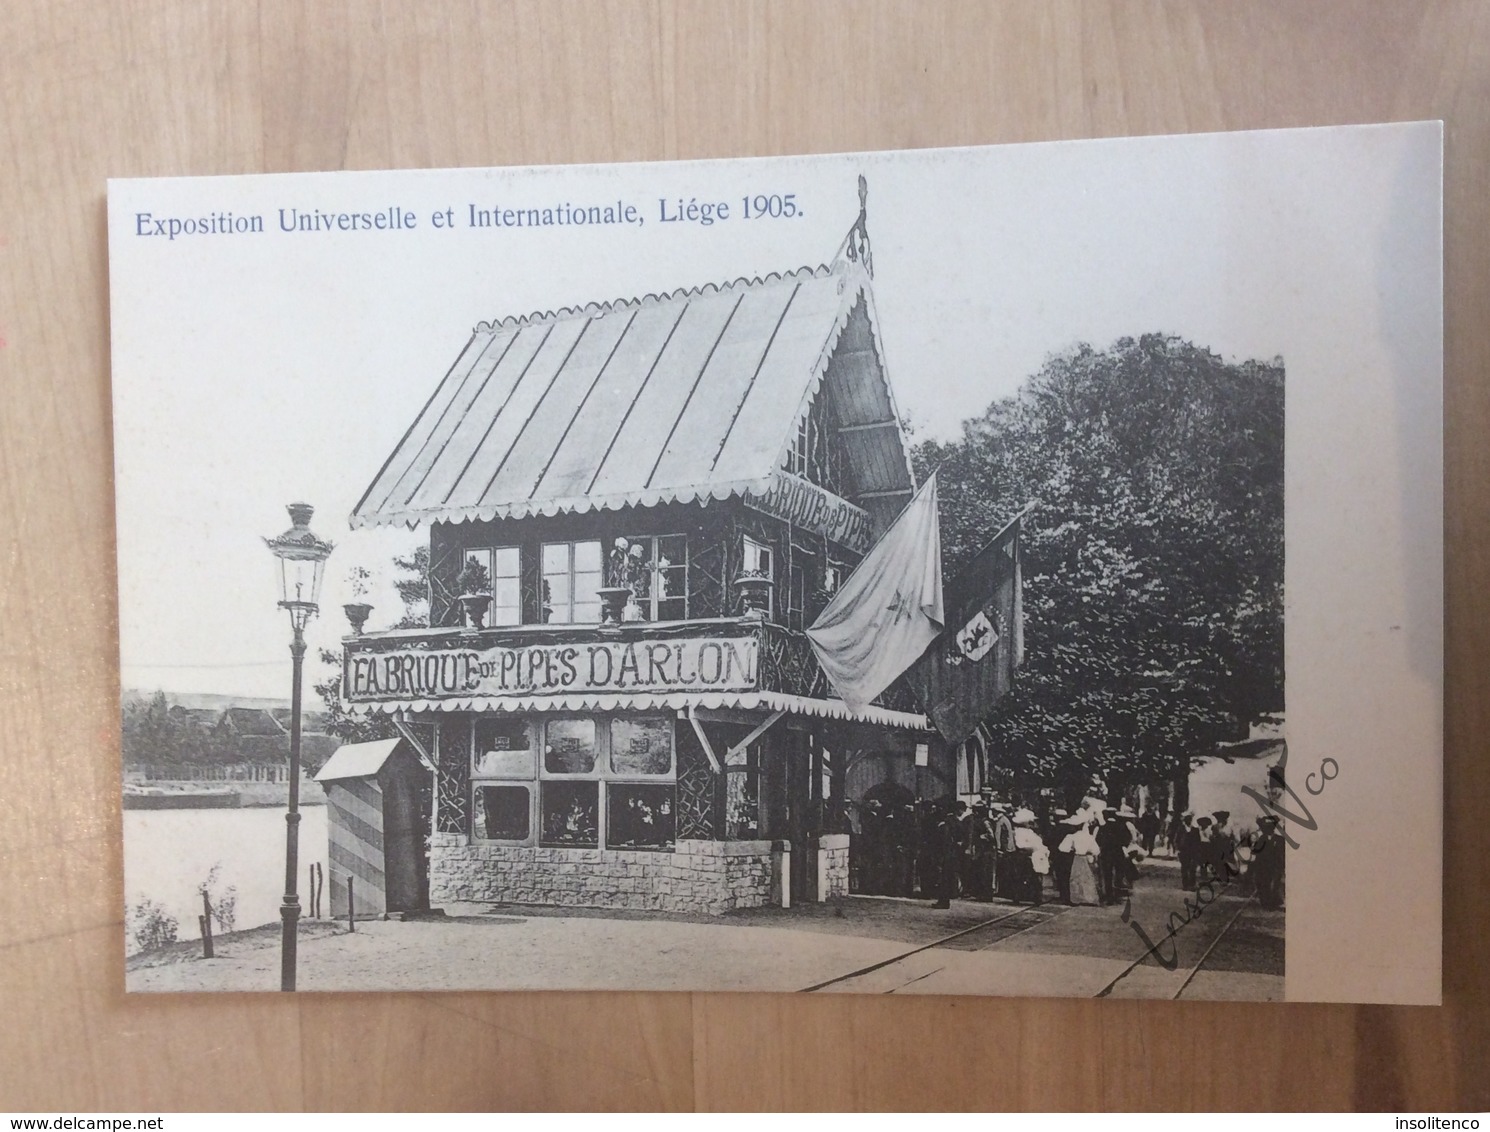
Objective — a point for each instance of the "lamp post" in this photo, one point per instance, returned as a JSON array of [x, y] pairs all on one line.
[[301, 558]]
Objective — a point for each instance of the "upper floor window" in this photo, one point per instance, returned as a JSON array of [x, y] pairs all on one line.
[[756, 561], [811, 456], [494, 571], [756, 558], [655, 567], [572, 581]]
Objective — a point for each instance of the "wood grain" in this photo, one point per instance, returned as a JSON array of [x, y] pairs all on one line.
[[89, 91]]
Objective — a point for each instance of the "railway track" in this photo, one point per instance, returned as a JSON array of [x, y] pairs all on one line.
[[1199, 963], [997, 929]]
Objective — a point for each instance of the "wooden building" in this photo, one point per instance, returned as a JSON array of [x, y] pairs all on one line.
[[377, 819], [634, 508]]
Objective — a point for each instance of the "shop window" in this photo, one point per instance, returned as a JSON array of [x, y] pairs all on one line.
[[570, 746], [655, 567], [570, 813], [502, 812], [571, 581], [503, 749], [602, 782], [640, 815], [641, 746]]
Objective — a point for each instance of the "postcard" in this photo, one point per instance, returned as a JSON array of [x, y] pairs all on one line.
[[1009, 570]]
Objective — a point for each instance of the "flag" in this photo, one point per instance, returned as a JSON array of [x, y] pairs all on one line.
[[888, 610], [962, 677]]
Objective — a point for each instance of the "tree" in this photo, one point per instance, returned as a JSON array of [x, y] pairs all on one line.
[[412, 584], [154, 732], [1153, 553]]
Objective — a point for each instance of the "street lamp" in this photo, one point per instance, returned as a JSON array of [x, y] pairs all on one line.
[[300, 557]]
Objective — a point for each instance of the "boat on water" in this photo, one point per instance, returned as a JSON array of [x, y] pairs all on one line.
[[187, 797]]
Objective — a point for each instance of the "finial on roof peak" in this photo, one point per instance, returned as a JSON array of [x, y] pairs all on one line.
[[856, 243]]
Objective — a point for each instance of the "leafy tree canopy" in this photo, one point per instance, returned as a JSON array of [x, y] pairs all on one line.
[[412, 584], [1153, 553]]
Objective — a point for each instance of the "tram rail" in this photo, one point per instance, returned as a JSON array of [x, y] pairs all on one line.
[[986, 925]]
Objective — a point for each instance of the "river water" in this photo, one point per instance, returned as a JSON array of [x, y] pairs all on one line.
[[169, 853]]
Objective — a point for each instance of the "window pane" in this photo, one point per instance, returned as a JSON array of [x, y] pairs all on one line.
[[570, 814], [586, 613], [501, 813], [506, 602], [742, 796], [556, 595], [641, 746], [556, 558], [639, 816], [587, 557], [503, 749], [473, 564], [571, 746], [505, 562]]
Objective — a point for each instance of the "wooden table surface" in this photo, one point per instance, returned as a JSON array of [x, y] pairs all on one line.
[[89, 90]]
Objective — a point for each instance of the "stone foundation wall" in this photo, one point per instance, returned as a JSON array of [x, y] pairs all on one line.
[[697, 876], [832, 865]]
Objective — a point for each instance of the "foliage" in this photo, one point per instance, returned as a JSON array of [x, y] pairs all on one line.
[[412, 584], [474, 578], [1153, 553], [154, 731], [224, 902], [359, 578], [150, 925]]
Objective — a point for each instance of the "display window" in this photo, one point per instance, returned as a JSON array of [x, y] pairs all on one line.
[[601, 781]]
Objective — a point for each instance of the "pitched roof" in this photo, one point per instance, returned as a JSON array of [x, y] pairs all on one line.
[[357, 760], [252, 721], [668, 398]]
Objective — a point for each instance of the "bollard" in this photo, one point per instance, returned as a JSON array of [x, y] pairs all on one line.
[[351, 908], [205, 919]]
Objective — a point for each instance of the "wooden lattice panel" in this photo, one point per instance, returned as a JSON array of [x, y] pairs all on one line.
[[454, 809]]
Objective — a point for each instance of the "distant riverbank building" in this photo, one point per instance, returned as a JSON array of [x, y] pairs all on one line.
[[634, 509]]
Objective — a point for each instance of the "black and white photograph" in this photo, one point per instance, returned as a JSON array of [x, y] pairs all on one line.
[[999, 571]]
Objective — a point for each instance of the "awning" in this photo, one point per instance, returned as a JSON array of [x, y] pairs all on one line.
[[612, 702]]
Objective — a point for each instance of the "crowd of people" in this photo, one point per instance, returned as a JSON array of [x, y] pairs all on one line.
[[991, 849]]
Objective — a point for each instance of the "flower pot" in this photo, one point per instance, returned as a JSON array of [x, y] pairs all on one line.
[[357, 613], [612, 603], [754, 592], [475, 607]]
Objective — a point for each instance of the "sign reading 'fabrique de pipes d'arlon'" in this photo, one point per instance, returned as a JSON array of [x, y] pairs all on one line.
[[724, 665]]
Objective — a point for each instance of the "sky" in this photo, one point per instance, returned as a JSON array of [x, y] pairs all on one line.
[[253, 370]]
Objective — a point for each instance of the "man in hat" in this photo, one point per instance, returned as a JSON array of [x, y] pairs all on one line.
[[1003, 846], [1267, 863], [981, 852], [1113, 839], [1148, 828], [1187, 848], [947, 848], [1205, 852], [1226, 847]]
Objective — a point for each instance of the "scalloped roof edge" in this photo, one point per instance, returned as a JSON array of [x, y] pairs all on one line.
[[591, 310]]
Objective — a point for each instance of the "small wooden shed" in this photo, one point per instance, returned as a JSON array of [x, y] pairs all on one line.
[[378, 814]]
